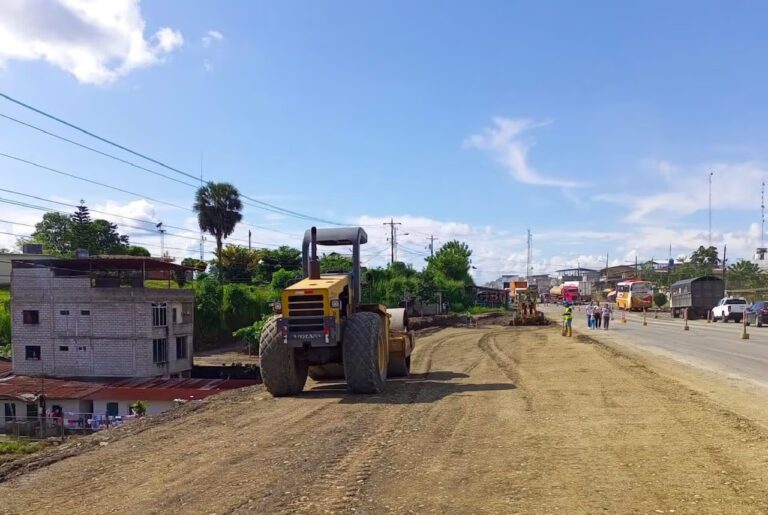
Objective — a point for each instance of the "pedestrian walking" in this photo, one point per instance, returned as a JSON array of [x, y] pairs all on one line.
[[607, 312], [598, 316], [588, 311]]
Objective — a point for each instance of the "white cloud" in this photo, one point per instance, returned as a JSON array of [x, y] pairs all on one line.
[[207, 66], [734, 186], [96, 41], [125, 215], [503, 142], [212, 36]]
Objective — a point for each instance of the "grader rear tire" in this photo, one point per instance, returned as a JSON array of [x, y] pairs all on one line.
[[281, 370], [326, 372], [364, 352]]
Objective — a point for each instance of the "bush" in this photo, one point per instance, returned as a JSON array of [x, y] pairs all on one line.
[[659, 299], [20, 447], [282, 278], [251, 334]]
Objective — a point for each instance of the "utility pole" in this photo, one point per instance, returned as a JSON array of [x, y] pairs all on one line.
[[762, 216], [249, 240], [636, 269], [392, 238], [202, 236], [710, 207], [725, 248], [528, 258], [432, 240]]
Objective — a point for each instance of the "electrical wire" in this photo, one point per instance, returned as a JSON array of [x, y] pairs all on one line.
[[260, 204]]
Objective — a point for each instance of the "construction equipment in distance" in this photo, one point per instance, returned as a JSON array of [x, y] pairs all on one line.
[[324, 331], [525, 308]]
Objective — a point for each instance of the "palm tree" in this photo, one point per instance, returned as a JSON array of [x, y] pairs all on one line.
[[218, 207]]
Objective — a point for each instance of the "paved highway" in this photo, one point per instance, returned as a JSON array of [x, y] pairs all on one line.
[[714, 346]]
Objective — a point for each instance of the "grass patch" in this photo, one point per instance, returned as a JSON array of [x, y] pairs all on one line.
[[20, 447], [477, 310], [5, 294]]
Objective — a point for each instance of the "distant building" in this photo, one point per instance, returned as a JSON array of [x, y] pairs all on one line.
[[761, 258], [504, 281], [93, 318], [578, 274], [543, 282]]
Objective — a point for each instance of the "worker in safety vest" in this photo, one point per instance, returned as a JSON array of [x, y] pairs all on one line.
[[567, 319]]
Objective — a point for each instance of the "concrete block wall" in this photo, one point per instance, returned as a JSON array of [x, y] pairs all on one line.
[[114, 337]]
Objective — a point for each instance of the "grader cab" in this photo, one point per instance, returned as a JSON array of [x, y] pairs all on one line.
[[324, 331]]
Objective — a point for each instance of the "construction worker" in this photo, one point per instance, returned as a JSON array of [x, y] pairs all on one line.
[[567, 319]]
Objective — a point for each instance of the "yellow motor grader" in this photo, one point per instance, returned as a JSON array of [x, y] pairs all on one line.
[[324, 331]]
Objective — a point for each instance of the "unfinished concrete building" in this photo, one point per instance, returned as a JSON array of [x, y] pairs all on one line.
[[96, 317]]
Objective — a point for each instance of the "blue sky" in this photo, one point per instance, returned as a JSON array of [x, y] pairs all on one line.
[[594, 124]]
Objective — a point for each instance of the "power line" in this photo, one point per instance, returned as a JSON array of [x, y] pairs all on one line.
[[152, 222], [91, 181], [105, 154], [91, 134], [261, 204]]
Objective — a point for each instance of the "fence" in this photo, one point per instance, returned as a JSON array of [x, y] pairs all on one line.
[[41, 428]]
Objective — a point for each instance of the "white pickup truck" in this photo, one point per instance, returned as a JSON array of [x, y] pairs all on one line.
[[729, 308]]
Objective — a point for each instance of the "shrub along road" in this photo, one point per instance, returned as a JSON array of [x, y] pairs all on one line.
[[494, 420]]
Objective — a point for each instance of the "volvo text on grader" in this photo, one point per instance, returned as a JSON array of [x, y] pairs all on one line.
[[325, 332]]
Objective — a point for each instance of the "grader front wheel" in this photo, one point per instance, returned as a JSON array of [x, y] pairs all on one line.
[[365, 353]]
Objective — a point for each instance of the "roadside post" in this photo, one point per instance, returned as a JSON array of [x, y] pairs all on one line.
[[623, 316], [685, 327], [744, 333], [709, 316], [656, 313], [645, 319]]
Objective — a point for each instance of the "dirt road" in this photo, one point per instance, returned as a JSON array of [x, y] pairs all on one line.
[[495, 420]]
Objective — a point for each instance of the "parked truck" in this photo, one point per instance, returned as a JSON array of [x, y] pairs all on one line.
[[565, 293], [697, 295]]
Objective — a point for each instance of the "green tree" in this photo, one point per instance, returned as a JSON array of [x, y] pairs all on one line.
[[452, 261], [659, 299], [61, 235], [745, 274], [272, 260], [236, 264], [705, 257], [282, 278], [135, 250], [218, 209], [54, 231], [335, 263]]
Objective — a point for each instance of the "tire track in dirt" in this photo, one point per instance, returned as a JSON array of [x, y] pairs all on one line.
[[675, 408], [351, 465]]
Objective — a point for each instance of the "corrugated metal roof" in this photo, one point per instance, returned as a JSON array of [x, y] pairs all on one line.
[[159, 389], [19, 386], [140, 389], [5, 367]]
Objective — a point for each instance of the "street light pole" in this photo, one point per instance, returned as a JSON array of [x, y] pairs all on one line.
[[710, 208]]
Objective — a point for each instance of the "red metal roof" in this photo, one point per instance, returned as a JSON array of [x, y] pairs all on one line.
[[5, 367], [141, 389], [158, 389], [17, 386]]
